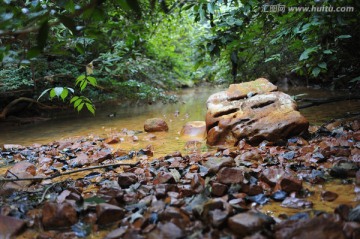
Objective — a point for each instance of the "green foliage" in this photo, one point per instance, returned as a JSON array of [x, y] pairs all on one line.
[[311, 44], [15, 79]]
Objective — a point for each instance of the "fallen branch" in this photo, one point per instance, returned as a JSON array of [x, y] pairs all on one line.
[[7, 108], [320, 101], [2, 180]]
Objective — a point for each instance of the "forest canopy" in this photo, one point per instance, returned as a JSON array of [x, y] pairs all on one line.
[[138, 49]]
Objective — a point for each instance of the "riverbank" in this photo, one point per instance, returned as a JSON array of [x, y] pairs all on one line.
[[215, 193]]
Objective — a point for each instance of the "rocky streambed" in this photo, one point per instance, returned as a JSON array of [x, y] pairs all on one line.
[[225, 193]]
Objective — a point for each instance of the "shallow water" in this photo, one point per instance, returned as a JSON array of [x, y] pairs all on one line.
[[191, 106]]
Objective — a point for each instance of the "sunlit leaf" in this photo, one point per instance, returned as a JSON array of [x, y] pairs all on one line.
[[80, 107], [316, 71], [74, 99], [64, 93], [343, 36], [92, 80], [79, 79], [77, 102], [90, 108], [52, 93], [83, 85]]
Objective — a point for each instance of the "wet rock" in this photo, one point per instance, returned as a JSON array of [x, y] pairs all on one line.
[[279, 195], [218, 217], [354, 214], [116, 234], [214, 164], [108, 213], [9, 147], [352, 230], [247, 223], [343, 211], [194, 130], [259, 199], [272, 175], [230, 175], [155, 125], [127, 179], [317, 227], [357, 178], [112, 140], [58, 215], [164, 177], [296, 203], [329, 196], [197, 183], [254, 111], [10, 227], [80, 160], [289, 183], [166, 230], [21, 169], [218, 189], [344, 169]]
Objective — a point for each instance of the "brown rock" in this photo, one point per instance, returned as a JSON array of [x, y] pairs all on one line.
[[230, 175], [194, 130], [127, 179], [357, 179], [108, 213], [10, 227], [164, 177], [289, 183], [166, 230], [116, 234], [318, 227], [218, 189], [252, 111], [329, 196], [247, 223], [58, 215], [197, 183], [155, 125], [272, 175], [21, 169], [215, 164]]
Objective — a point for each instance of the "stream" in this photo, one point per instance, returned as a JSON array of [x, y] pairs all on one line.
[[190, 107]]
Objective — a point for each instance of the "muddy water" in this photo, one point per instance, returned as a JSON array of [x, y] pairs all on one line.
[[191, 107]]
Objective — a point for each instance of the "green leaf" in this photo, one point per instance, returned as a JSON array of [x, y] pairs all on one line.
[[79, 79], [83, 84], [70, 6], [327, 52], [74, 99], [92, 80], [355, 79], [80, 107], [52, 93], [343, 36], [80, 48], [64, 93], [307, 52], [322, 65], [90, 108], [43, 35], [316, 71], [77, 102]]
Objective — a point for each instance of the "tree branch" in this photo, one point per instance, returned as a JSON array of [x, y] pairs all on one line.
[[2, 180]]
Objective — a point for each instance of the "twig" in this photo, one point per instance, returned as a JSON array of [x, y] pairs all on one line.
[[67, 173]]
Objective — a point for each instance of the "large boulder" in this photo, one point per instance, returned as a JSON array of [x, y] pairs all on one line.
[[254, 111]]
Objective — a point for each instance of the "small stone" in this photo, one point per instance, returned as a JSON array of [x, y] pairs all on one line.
[[296, 203], [272, 175], [127, 179], [290, 184], [197, 183], [344, 169], [329, 196], [249, 222], [167, 230], [214, 164], [218, 217], [108, 213], [155, 125], [164, 177], [112, 140], [8, 147], [230, 175], [218, 189], [58, 215], [279, 196]]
